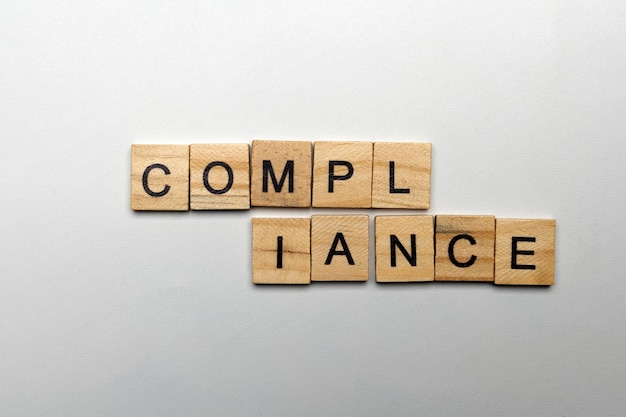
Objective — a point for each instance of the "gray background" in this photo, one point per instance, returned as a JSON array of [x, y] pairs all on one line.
[[107, 312]]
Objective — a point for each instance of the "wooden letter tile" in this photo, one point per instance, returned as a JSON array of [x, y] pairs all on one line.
[[464, 248], [342, 174], [219, 176], [401, 175], [281, 251], [405, 250], [339, 248], [159, 177], [281, 173], [525, 251]]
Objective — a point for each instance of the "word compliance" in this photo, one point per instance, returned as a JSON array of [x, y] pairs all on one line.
[[342, 175]]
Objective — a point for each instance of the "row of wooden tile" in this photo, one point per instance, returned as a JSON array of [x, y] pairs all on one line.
[[407, 249], [280, 174]]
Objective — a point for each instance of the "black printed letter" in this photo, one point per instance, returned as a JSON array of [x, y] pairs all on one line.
[[333, 250], [395, 243], [331, 173], [515, 252], [392, 180], [205, 177], [279, 252], [278, 185], [471, 261], [144, 180]]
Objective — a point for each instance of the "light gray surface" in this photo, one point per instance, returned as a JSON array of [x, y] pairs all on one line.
[[106, 312]]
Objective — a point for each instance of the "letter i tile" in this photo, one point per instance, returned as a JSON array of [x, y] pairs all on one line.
[[281, 250]]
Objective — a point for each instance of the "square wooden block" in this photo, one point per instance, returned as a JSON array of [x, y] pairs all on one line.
[[401, 175], [159, 177], [281, 173], [219, 176], [405, 249], [342, 174], [340, 248], [525, 251], [464, 248], [281, 251]]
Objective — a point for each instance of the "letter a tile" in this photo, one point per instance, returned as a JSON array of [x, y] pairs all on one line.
[[525, 251], [281, 251], [219, 176], [405, 251], [281, 173], [401, 176], [339, 248], [159, 177]]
